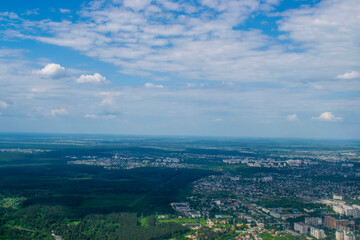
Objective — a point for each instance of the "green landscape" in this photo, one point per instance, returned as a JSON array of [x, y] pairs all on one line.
[[106, 187]]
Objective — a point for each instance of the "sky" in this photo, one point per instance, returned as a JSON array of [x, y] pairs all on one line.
[[245, 68]]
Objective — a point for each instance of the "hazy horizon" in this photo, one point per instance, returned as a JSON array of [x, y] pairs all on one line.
[[173, 136]]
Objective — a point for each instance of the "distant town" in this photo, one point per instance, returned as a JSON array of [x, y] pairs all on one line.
[[323, 209]]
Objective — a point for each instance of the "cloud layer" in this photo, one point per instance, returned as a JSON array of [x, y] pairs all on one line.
[[245, 68], [209, 40]]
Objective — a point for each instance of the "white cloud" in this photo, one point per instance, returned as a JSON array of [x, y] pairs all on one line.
[[90, 116], [190, 85], [218, 120], [63, 10], [127, 39], [58, 112], [327, 116], [96, 78], [39, 89], [137, 4], [3, 104], [52, 70], [151, 85], [349, 75], [321, 40], [31, 12], [109, 97], [10, 15], [176, 107], [110, 94], [107, 101], [292, 117]]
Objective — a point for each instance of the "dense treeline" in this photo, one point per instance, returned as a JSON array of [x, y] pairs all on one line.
[[104, 227], [90, 189], [38, 222]]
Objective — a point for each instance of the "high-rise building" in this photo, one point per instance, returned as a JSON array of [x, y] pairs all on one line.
[[344, 235], [356, 213], [349, 210], [313, 221], [339, 235], [356, 206], [330, 222], [349, 236], [339, 209], [317, 233], [338, 224], [301, 227]]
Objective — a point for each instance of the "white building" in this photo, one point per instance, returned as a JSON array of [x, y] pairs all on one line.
[[301, 227], [356, 213], [356, 206], [339, 209], [317, 233], [349, 236], [275, 214], [338, 197], [353, 211], [339, 235], [194, 214], [349, 210], [342, 235]]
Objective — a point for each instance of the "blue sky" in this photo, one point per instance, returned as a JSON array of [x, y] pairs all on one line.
[[258, 68]]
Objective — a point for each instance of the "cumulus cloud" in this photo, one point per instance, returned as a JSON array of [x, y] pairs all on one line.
[[58, 112], [3, 104], [52, 70], [327, 116], [292, 117], [349, 75], [151, 85], [96, 78]]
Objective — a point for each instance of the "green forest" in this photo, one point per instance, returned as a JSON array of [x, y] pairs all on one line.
[[39, 222]]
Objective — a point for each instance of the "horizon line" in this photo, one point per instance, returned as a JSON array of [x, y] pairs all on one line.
[[179, 136]]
